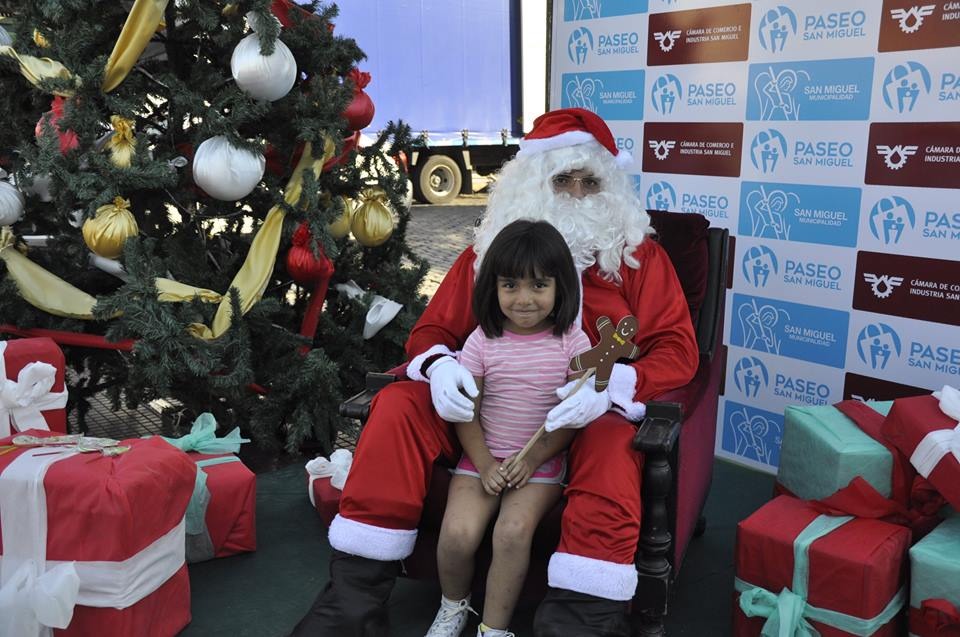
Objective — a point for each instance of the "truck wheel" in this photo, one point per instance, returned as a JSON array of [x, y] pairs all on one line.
[[438, 180]]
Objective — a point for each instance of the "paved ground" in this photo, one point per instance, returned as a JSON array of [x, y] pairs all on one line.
[[440, 233]]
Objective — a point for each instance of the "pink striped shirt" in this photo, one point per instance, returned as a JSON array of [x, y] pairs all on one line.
[[521, 374]]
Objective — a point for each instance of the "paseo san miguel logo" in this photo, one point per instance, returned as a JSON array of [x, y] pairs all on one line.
[[877, 344], [666, 93], [767, 150], [583, 43], [904, 85], [776, 26], [661, 195], [579, 44], [750, 375], [909, 25], [889, 217], [759, 263]]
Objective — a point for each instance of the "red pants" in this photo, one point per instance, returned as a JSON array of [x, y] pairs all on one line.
[[383, 497]]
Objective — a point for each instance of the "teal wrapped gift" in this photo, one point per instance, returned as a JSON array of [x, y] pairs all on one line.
[[935, 582], [823, 450]]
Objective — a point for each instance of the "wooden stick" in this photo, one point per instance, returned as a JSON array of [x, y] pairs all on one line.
[[543, 428]]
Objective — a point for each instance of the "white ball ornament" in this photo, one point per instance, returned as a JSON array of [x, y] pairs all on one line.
[[11, 203], [225, 172], [263, 77]]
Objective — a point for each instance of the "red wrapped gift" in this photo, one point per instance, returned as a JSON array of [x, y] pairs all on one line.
[[114, 529], [926, 429], [325, 480], [851, 573], [231, 514], [32, 395]]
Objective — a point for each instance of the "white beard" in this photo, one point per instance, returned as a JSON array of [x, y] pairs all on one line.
[[603, 228]]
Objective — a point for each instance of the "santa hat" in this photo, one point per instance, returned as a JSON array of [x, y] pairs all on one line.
[[570, 127]]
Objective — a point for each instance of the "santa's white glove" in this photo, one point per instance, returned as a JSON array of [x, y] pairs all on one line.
[[447, 377], [580, 409], [622, 388]]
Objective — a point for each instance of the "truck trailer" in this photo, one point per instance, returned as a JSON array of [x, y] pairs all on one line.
[[468, 76]]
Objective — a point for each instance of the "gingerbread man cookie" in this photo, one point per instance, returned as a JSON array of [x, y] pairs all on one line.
[[614, 344]]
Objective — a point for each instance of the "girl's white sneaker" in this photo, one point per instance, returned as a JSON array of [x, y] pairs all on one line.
[[451, 618]]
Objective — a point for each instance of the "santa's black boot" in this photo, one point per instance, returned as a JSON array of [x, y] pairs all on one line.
[[354, 602], [564, 613]]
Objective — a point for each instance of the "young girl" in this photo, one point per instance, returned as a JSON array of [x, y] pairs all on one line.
[[526, 299]]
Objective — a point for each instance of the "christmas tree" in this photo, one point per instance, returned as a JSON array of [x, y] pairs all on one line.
[[183, 178]]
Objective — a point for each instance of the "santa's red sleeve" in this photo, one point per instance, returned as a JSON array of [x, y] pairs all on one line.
[[668, 347], [448, 319]]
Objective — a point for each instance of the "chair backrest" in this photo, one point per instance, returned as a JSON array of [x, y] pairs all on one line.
[[699, 254]]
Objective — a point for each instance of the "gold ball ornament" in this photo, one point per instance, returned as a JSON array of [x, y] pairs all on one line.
[[122, 143], [373, 221], [341, 227], [110, 228]]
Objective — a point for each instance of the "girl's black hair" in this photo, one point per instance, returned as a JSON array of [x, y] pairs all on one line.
[[526, 249]]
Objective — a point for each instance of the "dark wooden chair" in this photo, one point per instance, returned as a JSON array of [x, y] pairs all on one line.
[[677, 437]]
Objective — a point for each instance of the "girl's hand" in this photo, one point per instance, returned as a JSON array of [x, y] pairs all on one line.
[[517, 473], [492, 479]]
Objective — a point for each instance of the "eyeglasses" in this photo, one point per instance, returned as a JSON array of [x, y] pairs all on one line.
[[565, 183]]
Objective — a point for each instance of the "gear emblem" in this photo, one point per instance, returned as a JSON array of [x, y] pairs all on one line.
[[902, 153], [883, 285], [667, 39]]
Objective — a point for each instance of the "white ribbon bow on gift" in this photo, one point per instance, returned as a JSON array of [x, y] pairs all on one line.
[[48, 599], [336, 468], [936, 444], [22, 400]]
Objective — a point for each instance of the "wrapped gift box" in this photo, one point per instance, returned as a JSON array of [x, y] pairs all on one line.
[[36, 398], [221, 517], [117, 520], [823, 450], [229, 520], [325, 480], [935, 582], [856, 567], [931, 439]]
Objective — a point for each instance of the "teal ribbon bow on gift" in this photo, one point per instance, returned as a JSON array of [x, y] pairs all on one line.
[[203, 439], [788, 613]]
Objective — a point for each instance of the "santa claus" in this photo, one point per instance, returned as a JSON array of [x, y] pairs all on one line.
[[568, 172]]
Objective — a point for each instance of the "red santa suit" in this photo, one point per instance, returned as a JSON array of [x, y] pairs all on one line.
[[383, 497]]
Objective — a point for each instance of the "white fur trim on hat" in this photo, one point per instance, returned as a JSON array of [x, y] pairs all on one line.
[[563, 140], [371, 542], [623, 159], [413, 367], [599, 578], [623, 388]]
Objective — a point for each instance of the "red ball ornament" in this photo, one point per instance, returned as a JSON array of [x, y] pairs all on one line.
[[68, 139], [303, 266], [359, 112]]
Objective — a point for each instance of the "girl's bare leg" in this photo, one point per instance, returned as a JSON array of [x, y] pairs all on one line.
[[520, 513], [469, 509]]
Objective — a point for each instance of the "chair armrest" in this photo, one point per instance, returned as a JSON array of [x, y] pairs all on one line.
[[358, 405], [660, 428]]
